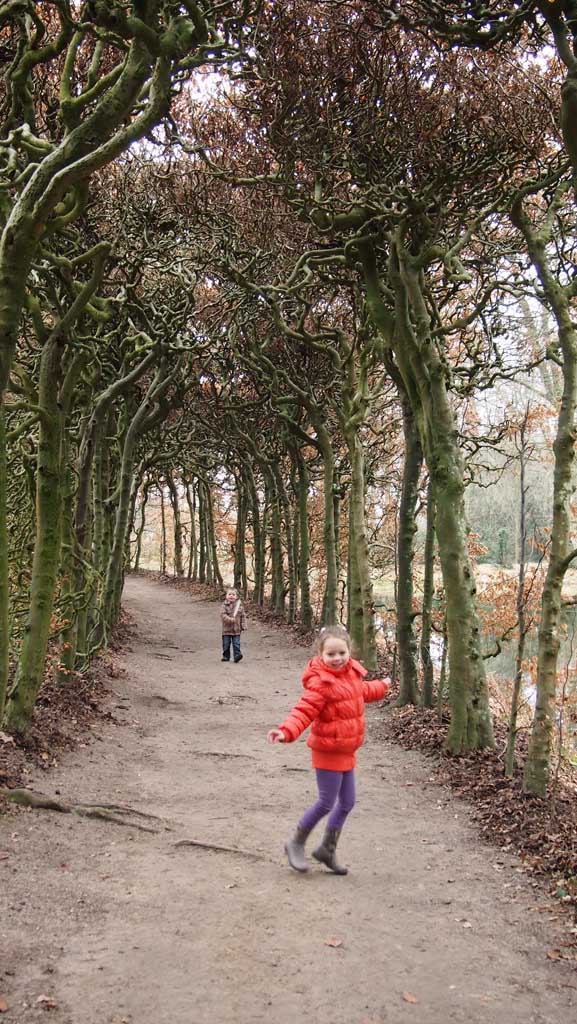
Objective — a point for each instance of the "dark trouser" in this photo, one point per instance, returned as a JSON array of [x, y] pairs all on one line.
[[336, 795], [226, 639]]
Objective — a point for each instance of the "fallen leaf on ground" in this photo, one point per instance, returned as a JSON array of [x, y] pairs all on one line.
[[4, 855], [47, 1002], [409, 997], [3, 1005], [553, 954], [336, 943], [544, 840]]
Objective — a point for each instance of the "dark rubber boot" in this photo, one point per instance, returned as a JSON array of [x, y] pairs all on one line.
[[295, 849], [325, 853]]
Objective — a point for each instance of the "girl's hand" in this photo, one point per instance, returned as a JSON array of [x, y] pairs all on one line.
[[275, 736]]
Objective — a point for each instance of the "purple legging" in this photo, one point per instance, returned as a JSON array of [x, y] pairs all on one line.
[[336, 794]]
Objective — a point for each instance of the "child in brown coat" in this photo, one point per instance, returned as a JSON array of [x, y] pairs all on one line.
[[233, 623]]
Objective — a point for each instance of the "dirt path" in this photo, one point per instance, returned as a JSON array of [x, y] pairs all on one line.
[[118, 926]]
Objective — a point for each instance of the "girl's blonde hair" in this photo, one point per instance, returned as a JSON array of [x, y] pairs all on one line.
[[334, 632]]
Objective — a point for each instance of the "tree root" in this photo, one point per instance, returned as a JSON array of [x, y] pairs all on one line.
[[111, 812], [218, 753], [218, 849], [105, 812]]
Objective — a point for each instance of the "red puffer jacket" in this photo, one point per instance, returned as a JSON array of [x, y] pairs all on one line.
[[334, 707]]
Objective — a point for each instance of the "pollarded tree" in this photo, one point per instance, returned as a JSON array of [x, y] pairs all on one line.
[[524, 31], [540, 212], [402, 189], [519, 31], [81, 84]]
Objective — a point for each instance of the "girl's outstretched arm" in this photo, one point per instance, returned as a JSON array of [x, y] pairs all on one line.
[[304, 712], [375, 689]]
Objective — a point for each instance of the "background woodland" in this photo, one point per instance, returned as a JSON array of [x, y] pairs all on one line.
[[287, 302]]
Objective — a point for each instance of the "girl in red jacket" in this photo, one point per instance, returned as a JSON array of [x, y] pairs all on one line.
[[334, 706]]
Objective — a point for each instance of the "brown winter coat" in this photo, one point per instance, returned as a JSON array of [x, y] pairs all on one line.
[[233, 619]]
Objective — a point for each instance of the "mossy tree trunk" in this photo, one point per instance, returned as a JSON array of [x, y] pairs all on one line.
[[149, 412], [338, 492], [93, 533], [406, 532], [110, 96], [163, 544], [202, 550], [81, 634], [258, 533], [145, 491], [358, 360], [239, 567], [409, 334], [296, 528], [100, 540], [277, 593], [56, 173], [131, 528], [362, 616], [522, 448], [560, 299], [55, 394], [46, 558], [211, 538], [177, 520], [329, 607], [306, 609], [428, 593], [284, 506], [4, 566], [353, 583], [193, 542], [69, 597]]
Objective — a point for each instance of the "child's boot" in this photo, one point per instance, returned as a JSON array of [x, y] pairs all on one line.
[[325, 853], [295, 849]]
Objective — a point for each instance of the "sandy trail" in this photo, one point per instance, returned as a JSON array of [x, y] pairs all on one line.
[[117, 926]]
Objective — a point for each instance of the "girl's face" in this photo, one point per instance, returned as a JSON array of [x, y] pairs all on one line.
[[231, 595], [335, 652]]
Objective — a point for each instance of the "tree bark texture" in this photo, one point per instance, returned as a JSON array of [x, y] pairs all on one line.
[[428, 594], [329, 613], [306, 610], [46, 560], [178, 541], [424, 374], [536, 775], [407, 529]]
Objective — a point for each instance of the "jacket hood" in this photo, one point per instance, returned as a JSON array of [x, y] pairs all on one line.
[[316, 669]]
